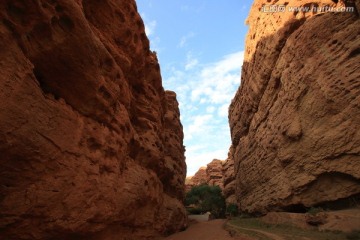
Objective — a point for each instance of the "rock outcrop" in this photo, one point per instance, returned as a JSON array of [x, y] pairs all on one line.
[[295, 120], [90, 143], [214, 173], [199, 178], [229, 180]]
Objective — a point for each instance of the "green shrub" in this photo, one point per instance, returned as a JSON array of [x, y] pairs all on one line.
[[232, 210], [207, 199], [355, 235]]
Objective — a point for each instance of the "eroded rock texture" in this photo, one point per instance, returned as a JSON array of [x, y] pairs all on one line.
[[90, 144], [295, 120], [214, 173], [229, 179], [199, 178]]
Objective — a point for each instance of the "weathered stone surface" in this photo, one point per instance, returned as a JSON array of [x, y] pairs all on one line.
[[214, 173], [211, 175], [229, 179], [199, 178], [295, 120], [90, 144]]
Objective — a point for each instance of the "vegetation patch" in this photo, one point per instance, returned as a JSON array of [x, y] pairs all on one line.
[[205, 198], [258, 229]]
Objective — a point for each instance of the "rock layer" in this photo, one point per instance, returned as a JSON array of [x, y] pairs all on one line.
[[214, 173], [91, 144], [199, 178], [229, 179], [295, 120]]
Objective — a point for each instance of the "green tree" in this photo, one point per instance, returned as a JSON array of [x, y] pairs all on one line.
[[207, 199], [232, 210]]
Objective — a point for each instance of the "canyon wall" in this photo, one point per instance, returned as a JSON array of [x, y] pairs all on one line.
[[216, 173], [91, 145], [229, 183], [295, 119], [211, 175], [196, 180]]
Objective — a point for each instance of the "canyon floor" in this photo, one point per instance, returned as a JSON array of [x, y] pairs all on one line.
[[256, 229]]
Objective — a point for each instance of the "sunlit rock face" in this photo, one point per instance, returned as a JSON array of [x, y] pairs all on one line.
[[214, 173], [211, 175], [91, 145], [295, 119], [199, 178]]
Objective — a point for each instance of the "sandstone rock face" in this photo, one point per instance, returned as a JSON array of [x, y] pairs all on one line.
[[214, 173], [295, 120], [211, 175], [229, 180], [90, 143], [196, 180]]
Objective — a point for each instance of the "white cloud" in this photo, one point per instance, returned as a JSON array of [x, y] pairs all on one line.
[[191, 63], [223, 110], [196, 159], [185, 38], [150, 27], [210, 109], [204, 93], [199, 125], [218, 80]]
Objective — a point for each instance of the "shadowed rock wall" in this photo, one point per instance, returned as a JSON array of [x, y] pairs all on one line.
[[91, 145]]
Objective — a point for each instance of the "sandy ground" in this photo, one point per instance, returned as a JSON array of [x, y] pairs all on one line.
[[211, 230]]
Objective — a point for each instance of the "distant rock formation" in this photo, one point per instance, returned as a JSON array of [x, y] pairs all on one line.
[[199, 178], [295, 120], [91, 145], [214, 174]]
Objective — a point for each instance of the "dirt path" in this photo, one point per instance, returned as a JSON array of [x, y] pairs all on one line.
[[214, 230], [267, 234], [211, 230]]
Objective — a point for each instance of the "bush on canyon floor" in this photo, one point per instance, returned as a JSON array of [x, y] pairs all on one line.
[[232, 210], [207, 199]]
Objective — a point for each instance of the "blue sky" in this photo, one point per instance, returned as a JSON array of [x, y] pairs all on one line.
[[200, 46]]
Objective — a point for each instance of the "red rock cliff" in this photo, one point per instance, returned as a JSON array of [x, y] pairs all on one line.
[[214, 173], [229, 179], [90, 144], [295, 120]]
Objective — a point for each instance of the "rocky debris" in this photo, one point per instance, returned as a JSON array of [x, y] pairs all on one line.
[[295, 119], [91, 145], [214, 173], [229, 180], [316, 219]]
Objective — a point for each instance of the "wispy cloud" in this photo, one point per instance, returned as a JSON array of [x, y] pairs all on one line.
[[150, 30], [191, 61], [185, 39], [150, 27], [204, 92]]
